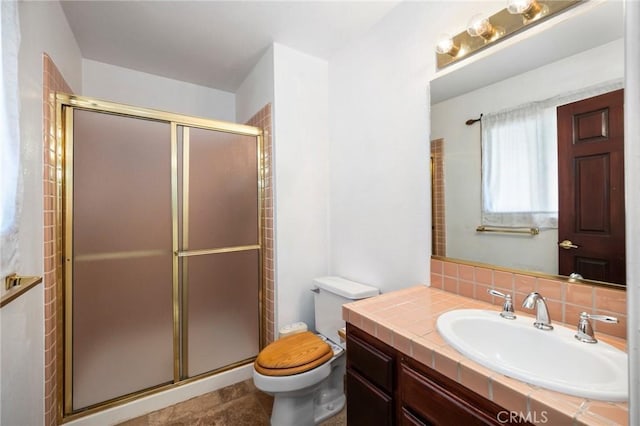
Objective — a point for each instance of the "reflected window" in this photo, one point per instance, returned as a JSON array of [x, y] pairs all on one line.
[[519, 167]]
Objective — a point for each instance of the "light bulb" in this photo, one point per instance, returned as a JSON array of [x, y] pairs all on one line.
[[446, 45], [529, 9], [479, 26]]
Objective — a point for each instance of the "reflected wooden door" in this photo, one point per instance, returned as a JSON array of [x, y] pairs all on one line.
[[591, 188]]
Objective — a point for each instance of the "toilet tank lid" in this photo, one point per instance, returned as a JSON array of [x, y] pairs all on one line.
[[346, 288]]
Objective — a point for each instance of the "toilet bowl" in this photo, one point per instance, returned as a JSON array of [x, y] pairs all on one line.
[[305, 371]]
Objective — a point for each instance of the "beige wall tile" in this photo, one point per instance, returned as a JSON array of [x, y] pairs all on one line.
[[436, 266], [421, 352], [484, 276], [503, 281], [450, 269], [450, 284], [445, 360], [402, 341], [466, 289], [475, 377], [437, 281], [524, 283], [610, 300], [508, 393], [597, 411], [579, 294], [466, 272], [551, 289]]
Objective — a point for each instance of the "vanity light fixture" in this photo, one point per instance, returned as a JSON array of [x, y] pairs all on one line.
[[485, 30], [529, 9]]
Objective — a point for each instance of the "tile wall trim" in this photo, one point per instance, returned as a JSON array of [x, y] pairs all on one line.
[[52, 82], [262, 119]]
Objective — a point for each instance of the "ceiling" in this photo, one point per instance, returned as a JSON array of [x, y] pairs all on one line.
[[213, 43]]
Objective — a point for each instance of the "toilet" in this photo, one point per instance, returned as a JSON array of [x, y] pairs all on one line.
[[305, 371]]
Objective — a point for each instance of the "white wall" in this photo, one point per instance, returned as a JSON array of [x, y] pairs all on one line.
[[462, 154], [123, 85], [632, 181], [44, 29], [379, 121], [257, 88], [301, 165]]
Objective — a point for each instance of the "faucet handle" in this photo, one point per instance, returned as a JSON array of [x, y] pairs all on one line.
[[585, 330], [507, 308]]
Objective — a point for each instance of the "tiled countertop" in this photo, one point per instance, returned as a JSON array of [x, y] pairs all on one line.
[[406, 320]]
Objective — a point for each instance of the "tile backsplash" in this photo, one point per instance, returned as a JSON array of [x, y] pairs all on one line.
[[565, 300]]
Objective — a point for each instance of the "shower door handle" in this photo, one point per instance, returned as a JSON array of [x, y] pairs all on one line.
[[187, 253]]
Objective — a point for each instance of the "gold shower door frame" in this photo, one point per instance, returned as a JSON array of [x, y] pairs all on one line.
[[66, 105]]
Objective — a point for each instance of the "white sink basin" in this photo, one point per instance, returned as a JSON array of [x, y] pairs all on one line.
[[551, 359]]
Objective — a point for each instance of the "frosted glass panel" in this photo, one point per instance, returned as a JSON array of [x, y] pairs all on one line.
[[122, 259], [223, 313], [223, 186], [122, 328], [122, 184]]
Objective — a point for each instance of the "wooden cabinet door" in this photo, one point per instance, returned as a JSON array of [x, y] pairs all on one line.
[[367, 405], [370, 362], [430, 398], [409, 419]]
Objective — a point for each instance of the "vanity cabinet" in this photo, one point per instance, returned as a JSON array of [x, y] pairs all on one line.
[[427, 397], [371, 383], [386, 387]]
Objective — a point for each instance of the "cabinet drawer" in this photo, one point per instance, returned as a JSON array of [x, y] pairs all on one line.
[[434, 404], [370, 362], [366, 404], [408, 419]]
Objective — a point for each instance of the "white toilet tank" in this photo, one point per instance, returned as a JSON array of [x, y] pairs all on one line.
[[330, 294]]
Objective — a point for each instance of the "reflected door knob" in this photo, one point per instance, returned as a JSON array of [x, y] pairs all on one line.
[[567, 244]]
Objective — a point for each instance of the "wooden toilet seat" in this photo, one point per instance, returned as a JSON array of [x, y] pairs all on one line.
[[293, 354]]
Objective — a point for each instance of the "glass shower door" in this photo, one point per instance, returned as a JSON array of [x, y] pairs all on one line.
[[162, 256], [119, 223], [220, 251]]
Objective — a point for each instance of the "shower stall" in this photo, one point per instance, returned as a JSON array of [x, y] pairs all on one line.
[[162, 257]]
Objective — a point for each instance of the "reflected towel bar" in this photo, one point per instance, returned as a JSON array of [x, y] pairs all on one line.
[[507, 230]]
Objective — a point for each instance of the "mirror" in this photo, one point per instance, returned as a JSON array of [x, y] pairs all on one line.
[[580, 48]]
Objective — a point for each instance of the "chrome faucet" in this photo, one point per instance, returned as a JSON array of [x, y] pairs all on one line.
[[507, 308], [585, 331], [543, 321]]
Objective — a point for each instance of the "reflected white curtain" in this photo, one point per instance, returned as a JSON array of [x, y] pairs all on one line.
[[519, 168], [520, 164], [9, 136]]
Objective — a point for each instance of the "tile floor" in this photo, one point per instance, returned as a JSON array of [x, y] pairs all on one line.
[[236, 405]]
